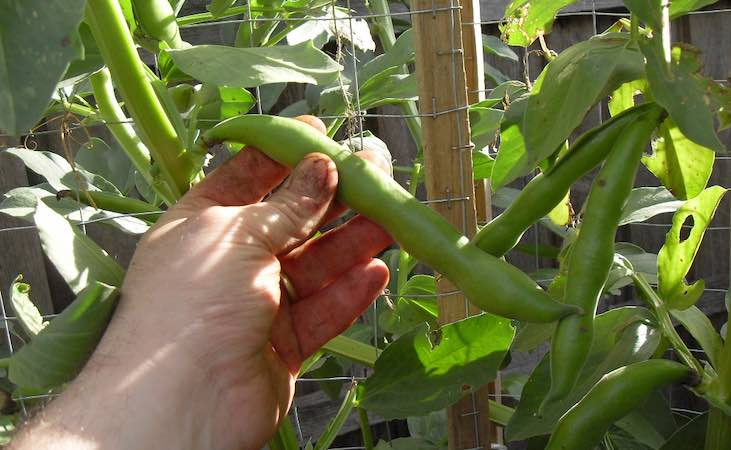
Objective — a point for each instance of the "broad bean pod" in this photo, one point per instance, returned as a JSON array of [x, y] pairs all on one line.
[[490, 283], [592, 253], [545, 190], [613, 397], [157, 20]]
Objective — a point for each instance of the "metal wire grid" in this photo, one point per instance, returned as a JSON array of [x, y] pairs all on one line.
[[357, 116]]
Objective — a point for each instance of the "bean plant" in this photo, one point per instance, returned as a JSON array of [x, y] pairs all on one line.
[[80, 64]]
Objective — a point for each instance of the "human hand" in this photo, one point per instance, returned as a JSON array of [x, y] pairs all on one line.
[[205, 346]]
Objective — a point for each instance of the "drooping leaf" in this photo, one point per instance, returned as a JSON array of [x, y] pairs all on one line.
[[493, 45], [700, 327], [682, 166], [681, 90], [572, 84], [78, 259], [415, 375], [110, 162], [622, 336], [644, 203], [481, 165], [402, 53], [28, 316], [21, 203], [38, 40], [59, 173], [251, 67], [677, 254], [58, 353], [525, 20], [503, 93]]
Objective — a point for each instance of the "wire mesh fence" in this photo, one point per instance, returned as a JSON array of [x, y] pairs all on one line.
[[345, 18]]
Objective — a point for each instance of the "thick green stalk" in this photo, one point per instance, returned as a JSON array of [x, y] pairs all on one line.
[[387, 36], [365, 429], [115, 42], [111, 113], [666, 324], [284, 438], [718, 430], [115, 203], [353, 350], [336, 424]]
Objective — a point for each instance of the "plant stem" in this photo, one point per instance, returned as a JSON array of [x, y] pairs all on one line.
[[365, 429], [387, 36], [115, 42], [545, 50], [499, 413], [718, 430], [284, 438], [634, 28], [336, 424], [77, 109], [111, 113], [666, 324]]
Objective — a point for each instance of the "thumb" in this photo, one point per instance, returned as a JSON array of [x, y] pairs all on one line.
[[296, 210]]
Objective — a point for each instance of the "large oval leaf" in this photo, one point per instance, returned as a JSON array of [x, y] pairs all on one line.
[[251, 67], [58, 353], [525, 20], [414, 376]]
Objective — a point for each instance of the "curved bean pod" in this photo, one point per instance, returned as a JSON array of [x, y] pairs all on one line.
[[613, 397], [490, 283], [593, 252], [544, 191]]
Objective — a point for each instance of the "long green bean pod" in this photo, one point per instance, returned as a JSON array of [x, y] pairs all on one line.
[[488, 282], [157, 19], [613, 397], [593, 252], [546, 190]]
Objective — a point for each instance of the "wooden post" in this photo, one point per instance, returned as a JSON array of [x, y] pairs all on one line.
[[442, 82]]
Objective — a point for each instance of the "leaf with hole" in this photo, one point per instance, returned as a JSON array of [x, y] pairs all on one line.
[[422, 372], [39, 40], [58, 353], [680, 247]]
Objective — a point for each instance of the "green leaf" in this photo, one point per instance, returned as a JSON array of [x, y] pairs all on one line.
[[571, 84], [484, 125], [624, 96], [401, 54], [58, 353], [7, 428], [512, 159], [408, 443], [690, 435], [218, 7], [681, 7], [649, 11], [414, 375], [505, 93], [110, 162], [218, 103], [90, 61], [677, 254], [251, 67], [622, 336], [482, 164], [431, 427], [681, 90], [644, 203], [700, 327], [531, 335], [493, 44], [29, 317], [38, 40], [682, 166], [78, 259], [525, 20], [284, 438], [416, 305]]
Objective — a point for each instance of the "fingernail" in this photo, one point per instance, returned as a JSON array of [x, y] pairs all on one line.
[[311, 177]]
